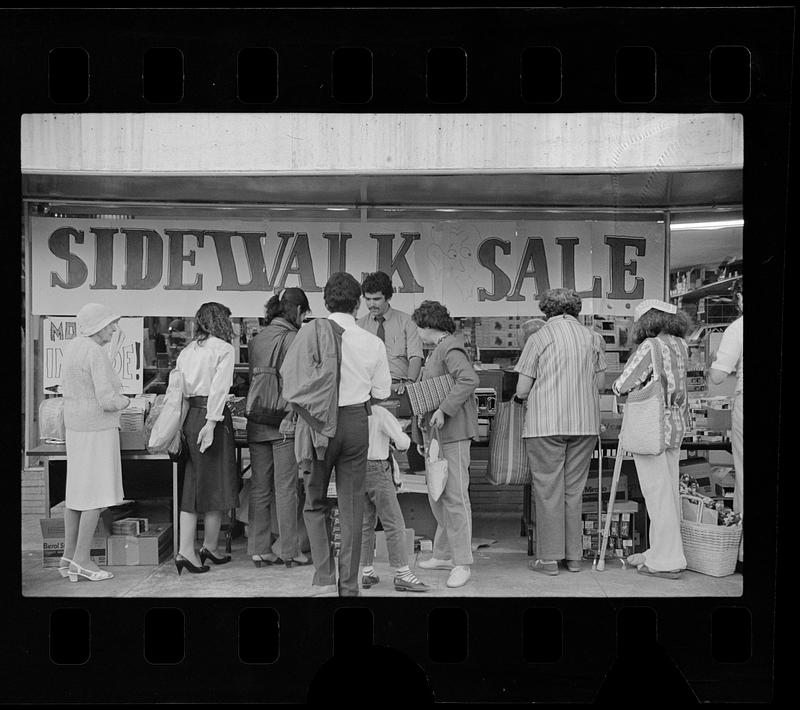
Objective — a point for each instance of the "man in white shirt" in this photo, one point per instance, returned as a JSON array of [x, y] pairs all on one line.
[[364, 374], [730, 358]]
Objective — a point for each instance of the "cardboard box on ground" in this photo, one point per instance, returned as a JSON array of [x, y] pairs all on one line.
[[149, 547]]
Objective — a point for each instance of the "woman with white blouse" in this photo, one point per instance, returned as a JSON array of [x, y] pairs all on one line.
[[92, 401], [210, 484]]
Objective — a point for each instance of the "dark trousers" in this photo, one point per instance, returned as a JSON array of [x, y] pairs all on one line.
[[347, 453]]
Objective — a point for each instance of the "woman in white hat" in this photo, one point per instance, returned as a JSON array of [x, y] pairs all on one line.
[[92, 401], [659, 331]]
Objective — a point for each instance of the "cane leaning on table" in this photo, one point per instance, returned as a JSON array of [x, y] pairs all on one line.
[[210, 483], [660, 325], [92, 401]]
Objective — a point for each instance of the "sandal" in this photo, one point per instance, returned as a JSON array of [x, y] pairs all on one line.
[[670, 574]]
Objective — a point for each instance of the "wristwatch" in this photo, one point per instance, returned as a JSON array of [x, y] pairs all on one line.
[[518, 400]]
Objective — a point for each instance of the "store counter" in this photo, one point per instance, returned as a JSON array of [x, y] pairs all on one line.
[[57, 452]]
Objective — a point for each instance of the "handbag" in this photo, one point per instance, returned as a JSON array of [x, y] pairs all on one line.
[[508, 460], [435, 468], [426, 395], [166, 432], [642, 429]]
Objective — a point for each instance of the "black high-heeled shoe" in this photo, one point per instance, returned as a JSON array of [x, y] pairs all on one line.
[[182, 563], [206, 555], [298, 563]]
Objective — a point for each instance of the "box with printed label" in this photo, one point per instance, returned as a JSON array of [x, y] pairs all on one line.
[[53, 541]]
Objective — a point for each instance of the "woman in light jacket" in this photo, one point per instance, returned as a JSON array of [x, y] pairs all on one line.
[[456, 421], [92, 401], [210, 483], [660, 325], [275, 484]]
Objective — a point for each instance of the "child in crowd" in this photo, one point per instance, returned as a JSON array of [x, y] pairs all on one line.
[[381, 502]]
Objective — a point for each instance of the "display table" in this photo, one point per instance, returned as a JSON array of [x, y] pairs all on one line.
[[608, 446], [57, 452]]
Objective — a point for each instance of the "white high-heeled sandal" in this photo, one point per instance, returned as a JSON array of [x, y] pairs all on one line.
[[91, 575], [62, 569]]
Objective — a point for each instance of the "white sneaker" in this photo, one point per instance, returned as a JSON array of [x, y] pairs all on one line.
[[459, 576], [433, 563]]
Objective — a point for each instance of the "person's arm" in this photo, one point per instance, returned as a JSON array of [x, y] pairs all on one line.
[[600, 364], [381, 377], [103, 378], [394, 431], [413, 350], [524, 386], [637, 370], [414, 368], [527, 367], [727, 358], [221, 382]]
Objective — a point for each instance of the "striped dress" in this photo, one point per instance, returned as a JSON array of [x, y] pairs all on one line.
[[639, 370], [563, 358]]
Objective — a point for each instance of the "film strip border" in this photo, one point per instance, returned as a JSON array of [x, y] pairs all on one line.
[[447, 650], [686, 59], [409, 59]]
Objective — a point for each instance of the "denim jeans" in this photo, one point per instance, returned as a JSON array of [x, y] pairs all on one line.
[[273, 487], [380, 501]]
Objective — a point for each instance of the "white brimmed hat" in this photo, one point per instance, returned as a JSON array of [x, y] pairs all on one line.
[[650, 303], [93, 317]]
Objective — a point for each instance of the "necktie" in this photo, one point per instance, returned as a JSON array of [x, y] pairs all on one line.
[[381, 332]]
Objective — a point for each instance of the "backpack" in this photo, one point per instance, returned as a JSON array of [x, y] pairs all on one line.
[[265, 405]]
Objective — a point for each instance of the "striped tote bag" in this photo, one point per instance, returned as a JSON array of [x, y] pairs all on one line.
[[426, 395], [508, 462]]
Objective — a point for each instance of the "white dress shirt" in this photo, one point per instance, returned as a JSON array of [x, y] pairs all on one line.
[[208, 372], [730, 354], [365, 367], [383, 427]]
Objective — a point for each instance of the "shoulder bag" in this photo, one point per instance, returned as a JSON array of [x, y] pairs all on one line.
[[642, 429], [265, 403]]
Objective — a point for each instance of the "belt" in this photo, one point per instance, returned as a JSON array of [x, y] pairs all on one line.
[[198, 401], [355, 407]]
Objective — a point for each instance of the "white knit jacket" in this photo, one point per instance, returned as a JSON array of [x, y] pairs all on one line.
[[92, 391]]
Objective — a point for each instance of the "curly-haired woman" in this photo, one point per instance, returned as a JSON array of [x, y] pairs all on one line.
[[659, 330], [456, 421], [210, 484]]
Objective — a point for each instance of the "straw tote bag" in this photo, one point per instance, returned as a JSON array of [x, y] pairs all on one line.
[[435, 468], [643, 422]]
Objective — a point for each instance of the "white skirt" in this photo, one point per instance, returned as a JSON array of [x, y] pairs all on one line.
[[94, 469]]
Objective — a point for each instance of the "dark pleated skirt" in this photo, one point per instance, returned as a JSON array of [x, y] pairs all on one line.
[[210, 481]]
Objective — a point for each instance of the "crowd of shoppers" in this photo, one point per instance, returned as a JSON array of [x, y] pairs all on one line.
[[334, 381]]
